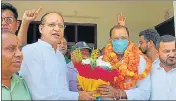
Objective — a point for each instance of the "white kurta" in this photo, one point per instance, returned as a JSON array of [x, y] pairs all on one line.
[[44, 71]]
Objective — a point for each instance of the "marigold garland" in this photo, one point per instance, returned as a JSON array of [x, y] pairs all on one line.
[[128, 70]]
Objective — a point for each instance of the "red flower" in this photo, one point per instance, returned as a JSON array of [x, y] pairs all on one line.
[[96, 73]]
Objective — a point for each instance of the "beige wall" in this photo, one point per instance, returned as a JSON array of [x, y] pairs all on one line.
[[174, 5], [140, 14]]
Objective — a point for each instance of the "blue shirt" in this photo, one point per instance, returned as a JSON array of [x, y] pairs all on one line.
[[44, 70], [72, 77]]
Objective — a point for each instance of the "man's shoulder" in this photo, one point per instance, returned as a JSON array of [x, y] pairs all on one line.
[[30, 47], [142, 64], [71, 67]]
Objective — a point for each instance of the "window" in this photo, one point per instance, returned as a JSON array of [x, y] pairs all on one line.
[[74, 32]]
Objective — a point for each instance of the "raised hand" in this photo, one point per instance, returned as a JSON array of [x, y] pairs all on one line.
[[121, 20], [30, 15]]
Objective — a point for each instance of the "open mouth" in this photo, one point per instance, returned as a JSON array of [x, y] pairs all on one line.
[[56, 35]]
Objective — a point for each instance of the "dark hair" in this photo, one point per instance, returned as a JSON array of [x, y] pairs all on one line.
[[10, 7], [43, 17], [166, 38], [118, 27], [150, 34]]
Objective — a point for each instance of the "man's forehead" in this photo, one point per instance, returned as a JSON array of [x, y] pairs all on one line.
[[55, 18], [84, 49], [9, 42], [63, 40], [7, 13], [167, 45], [142, 38], [119, 32]]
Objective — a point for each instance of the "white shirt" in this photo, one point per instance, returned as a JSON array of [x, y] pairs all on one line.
[[156, 61], [143, 87], [44, 71], [163, 83]]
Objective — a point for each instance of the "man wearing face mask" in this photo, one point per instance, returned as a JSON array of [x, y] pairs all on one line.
[[124, 52], [147, 43], [163, 73]]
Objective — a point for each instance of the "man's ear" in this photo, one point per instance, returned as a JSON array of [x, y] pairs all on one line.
[[41, 28], [17, 25], [150, 43], [109, 40]]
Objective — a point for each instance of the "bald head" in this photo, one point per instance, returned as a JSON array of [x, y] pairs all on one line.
[[43, 19], [7, 35]]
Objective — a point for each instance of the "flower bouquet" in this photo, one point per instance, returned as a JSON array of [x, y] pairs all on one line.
[[93, 72]]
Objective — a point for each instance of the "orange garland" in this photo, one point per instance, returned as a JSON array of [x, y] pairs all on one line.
[[128, 70]]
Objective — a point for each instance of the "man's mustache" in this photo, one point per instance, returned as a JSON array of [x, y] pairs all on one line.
[[172, 57]]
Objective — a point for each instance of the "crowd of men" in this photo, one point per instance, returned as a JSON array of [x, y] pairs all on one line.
[[46, 73]]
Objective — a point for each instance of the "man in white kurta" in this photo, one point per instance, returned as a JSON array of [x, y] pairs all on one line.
[[44, 70], [44, 67]]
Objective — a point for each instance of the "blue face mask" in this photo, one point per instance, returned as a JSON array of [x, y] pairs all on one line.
[[119, 46]]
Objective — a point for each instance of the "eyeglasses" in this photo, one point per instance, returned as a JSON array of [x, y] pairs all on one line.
[[54, 25], [8, 20]]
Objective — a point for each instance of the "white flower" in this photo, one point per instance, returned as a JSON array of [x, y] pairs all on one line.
[[103, 64], [86, 61]]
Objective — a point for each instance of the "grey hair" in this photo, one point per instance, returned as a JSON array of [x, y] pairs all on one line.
[[166, 38], [150, 34]]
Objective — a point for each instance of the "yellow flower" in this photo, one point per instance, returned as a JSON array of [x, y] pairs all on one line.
[[131, 74], [115, 78], [122, 67], [112, 54], [144, 74]]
